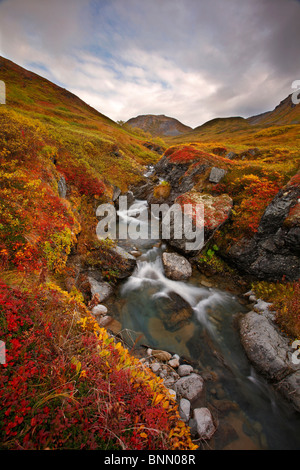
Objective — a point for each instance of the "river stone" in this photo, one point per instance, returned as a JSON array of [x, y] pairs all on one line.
[[99, 310], [184, 370], [160, 355], [103, 289], [176, 266], [265, 347], [174, 363], [290, 386], [173, 310], [204, 423], [155, 367], [190, 387], [184, 409]]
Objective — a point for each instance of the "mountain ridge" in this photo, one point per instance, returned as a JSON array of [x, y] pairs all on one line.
[[159, 125]]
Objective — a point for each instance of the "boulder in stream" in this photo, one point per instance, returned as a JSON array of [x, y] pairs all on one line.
[[271, 353], [204, 423], [190, 387], [173, 310], [176, 266]]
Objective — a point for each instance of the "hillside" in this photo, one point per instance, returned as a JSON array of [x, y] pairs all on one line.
[[66, 382], [159, 125], [286, 112]]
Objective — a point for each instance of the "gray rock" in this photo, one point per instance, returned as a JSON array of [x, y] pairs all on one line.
[[216, 174], [173, 310], [173, 363], [271, 354], [290, 387], [184, 409], [176, 266], [155, 367], [204, 423], [190, 387], [184, 370], [99, 310], [62, 187], [264, 346], [103, 289]]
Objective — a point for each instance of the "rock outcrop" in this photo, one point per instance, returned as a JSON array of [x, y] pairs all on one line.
[[271, 352], [176, 267], [273, 253]]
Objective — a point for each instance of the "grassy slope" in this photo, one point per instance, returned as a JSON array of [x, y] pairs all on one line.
[[66, 383]]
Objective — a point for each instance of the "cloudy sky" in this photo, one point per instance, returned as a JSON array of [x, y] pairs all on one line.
[[190, 59]]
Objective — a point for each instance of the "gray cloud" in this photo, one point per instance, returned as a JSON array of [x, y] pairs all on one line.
[[191, 59]]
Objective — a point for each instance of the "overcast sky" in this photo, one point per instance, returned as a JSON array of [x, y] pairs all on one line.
[[189, 59]]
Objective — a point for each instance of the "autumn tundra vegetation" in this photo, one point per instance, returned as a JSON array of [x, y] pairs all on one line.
[[66, 382]]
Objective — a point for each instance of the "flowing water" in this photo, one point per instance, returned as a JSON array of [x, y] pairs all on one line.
[[250, 414]]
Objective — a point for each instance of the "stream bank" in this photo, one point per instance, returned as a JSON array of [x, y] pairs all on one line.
[[247, 412]]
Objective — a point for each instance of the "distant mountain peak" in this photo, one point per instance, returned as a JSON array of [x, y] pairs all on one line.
[[159, 125]]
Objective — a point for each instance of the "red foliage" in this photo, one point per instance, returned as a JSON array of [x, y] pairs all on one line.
[[85, 182], [183, 155], [47, 401]]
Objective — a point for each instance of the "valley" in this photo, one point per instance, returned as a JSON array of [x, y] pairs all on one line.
[[73, 378]]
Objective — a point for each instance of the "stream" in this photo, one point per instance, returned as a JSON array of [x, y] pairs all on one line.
[[249, 412]]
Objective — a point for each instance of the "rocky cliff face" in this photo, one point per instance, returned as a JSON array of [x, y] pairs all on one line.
[[273, 253]]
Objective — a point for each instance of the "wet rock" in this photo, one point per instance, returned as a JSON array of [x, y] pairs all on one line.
[[102, 289], [184, 370], [216, 175], [271, 354], [265, 347], [184, 409], [204, 423], [190, 387], [163, 356], [176, 266], [173, 310], [290, 387]]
